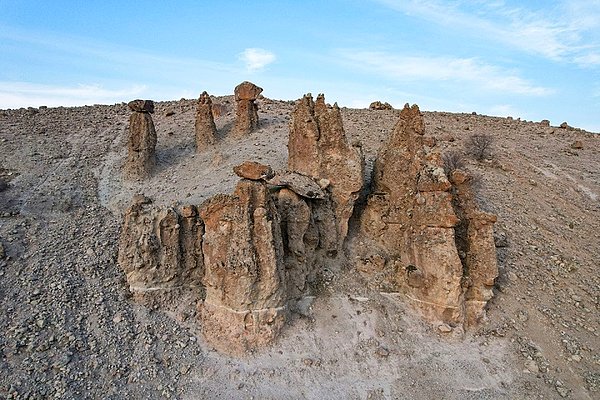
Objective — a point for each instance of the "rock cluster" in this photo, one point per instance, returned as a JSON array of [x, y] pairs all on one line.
[[205, 128], [378, 105], [141, 144], [318, 147], [246, 109], [421, 224], [246, 259]]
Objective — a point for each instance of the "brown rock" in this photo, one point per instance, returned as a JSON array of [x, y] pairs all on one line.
[[144, 106], [565, 125], [475, 239], [378, 105], [247, 111], [318, 147], [218, 110], [254, 171], [160, 252], [299, 184], [414, 216], [141, 144], [545, 123], [205, 128], [245, 303], [577, 145]]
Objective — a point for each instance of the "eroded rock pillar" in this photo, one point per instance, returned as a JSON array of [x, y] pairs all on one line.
[[141, 144], [205, 128], [246, 113], [245, 305]]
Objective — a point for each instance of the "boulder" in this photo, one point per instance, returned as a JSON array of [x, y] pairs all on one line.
[[300, 184], [143, 106], [254, 171], [577, 145]]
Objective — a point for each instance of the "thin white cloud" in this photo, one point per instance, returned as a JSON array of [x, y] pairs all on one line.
[[23, 94], [504, 110], [588, 60], [463, 70], [565, 31], [256, 59]]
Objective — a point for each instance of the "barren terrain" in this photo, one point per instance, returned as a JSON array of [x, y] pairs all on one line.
[[69, 328]]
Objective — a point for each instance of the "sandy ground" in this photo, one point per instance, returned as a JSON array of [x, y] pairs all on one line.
[[70, 330]]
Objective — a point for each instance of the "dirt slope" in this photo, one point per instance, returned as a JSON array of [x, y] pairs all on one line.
[[69, 329]]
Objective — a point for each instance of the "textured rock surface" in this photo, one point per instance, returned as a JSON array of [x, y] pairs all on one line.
[[318, 147], [378, 105], [246, 113], [245, 303], [476, 241], [300, 184], [160, 251], [253, 170], [205, 128], [146, 106], [141, 144], [411, 218]]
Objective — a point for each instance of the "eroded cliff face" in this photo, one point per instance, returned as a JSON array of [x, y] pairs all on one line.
[[160, 252], [411, 221]]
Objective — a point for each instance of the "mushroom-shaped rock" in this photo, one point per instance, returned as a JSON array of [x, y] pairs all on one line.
[[246, 112], [142, 141]]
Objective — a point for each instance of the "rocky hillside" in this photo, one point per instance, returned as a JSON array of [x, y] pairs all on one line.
[[72, 329]]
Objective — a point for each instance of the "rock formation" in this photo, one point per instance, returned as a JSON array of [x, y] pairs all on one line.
[[246, 113], [411, 219], [160, 251], [205, 128], [142, 141], [254, 171], [378, 105], [248, 259], [245, 303], [245, 258], [476, 244], [318, 147]]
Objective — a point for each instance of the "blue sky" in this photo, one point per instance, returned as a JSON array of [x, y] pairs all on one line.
[[530, 59]]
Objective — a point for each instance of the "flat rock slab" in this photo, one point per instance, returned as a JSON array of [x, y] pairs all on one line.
[[300, 184]]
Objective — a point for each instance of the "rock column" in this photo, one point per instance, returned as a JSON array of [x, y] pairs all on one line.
[[205, 128], [318, 147], [141, 145], [247, 111]]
